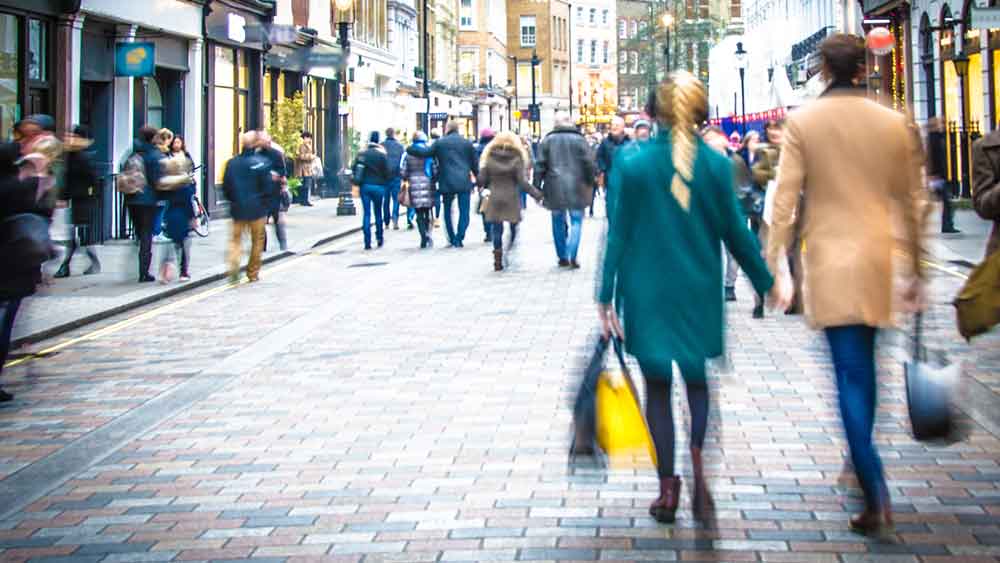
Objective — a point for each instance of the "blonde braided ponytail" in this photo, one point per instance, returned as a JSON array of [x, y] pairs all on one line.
[[681, 105]]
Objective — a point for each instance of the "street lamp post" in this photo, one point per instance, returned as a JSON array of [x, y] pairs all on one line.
[[510, 90], [427, 72], [535, 61], [961, 62], [741, 64], [667, 19], [517, 93], [345, 205]]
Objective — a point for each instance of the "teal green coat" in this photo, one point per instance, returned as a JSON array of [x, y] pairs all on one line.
[[666, 263]]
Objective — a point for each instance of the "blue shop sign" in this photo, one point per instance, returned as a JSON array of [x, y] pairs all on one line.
[[135, 59]]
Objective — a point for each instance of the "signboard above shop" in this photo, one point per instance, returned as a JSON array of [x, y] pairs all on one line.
[[135, 59]]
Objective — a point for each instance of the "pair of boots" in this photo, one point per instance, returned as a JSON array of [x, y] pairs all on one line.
[[95, 264], [664, 508]]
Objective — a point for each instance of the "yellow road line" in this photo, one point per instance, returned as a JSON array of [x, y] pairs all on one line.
[[950, 271], [156, 312]]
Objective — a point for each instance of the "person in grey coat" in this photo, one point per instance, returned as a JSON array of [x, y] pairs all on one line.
[[565, 171], [418, 177]]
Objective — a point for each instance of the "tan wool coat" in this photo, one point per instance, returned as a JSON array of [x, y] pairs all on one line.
[[305, 159], [857, 165]]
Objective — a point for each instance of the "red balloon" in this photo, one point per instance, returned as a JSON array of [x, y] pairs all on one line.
[[880, 41]]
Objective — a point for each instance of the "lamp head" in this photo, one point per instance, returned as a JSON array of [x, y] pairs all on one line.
[[667, 19], [961, 62], [741, 56]]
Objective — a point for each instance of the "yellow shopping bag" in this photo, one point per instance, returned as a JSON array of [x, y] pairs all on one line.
[[621, 428]]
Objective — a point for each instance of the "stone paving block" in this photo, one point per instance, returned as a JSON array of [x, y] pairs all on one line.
[[148, 557], [381, 547], [480, 555]]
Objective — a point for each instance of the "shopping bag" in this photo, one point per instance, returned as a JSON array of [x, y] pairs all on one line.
[[931, 388], [977, 307], [621, 428]]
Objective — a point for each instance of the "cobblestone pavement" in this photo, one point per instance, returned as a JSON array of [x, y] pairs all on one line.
[[407, 405]]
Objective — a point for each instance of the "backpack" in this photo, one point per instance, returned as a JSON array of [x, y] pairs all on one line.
[[977, 306], [132, 178]]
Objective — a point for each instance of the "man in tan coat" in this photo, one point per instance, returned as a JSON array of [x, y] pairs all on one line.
[[856, 163]]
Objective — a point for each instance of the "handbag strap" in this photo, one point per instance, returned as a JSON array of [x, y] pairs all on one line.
[[619, 346], [919, 352]]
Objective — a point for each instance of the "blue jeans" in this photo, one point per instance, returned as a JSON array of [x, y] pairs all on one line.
[[411, 212], [391, 203], [437, 205], [567, 236], [8, 308], [853, 351], [371, 200], [464, 198]]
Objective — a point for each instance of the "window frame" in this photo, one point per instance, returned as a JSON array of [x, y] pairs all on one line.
[[523, 27]]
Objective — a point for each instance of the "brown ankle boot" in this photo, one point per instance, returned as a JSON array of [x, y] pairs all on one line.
[[702, 504], [497, 260], [664, 509]]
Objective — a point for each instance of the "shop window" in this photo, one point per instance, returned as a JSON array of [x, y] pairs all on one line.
[[268, 104], [38, 51], [9, 64], [231, 98], [154, 103]]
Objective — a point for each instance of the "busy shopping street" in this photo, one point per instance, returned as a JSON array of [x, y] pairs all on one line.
[[414, 405]]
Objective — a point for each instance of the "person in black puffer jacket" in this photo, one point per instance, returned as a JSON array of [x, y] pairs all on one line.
[[371, 173], [80, 188], [17, 196]]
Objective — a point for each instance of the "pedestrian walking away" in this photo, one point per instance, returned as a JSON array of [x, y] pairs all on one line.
[[305, 168], [370, 172], [418, 174], [280, 199], [177, 189], [606, 151], [247, 186], [852, 189], [717, 139], [502, 176], [458, 166], [565, 172], [143, 165], [764, 171], [674, 207], [394, 152], [937, 169], [82, 192], [22, 208], [486, 137]]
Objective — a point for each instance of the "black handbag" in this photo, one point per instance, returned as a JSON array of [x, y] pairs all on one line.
[[24, 241], [930, 391]]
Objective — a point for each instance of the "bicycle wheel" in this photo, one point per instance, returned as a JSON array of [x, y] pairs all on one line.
[[201, 220]]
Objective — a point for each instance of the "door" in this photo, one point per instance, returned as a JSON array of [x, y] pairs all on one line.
[[96, 114]]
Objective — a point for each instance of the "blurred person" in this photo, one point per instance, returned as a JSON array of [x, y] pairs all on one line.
[[371, 174], [529, 169], [674, 188], [305, 163], [458, 166], [179, 213], [163, 140], [247, 185], [81, 190], [565, 173], [143, 206], [279, 199], [19, 193], [486, 136], [502, 172], [763, 158], [394, 153], [641, 130], [717, 139], [33, 128], [748, 147], [418, 173], [937, 171], [435, 135], [615, 140], [852, 189], [986, 185], [734, 141]]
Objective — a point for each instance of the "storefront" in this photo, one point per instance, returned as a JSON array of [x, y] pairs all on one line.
[[29, 72], [889, 75], [235, 39]]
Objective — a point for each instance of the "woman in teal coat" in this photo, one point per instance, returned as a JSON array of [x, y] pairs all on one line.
[[674, 208]]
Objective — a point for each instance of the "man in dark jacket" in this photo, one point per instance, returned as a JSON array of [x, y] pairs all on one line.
[[986, 184], [247, 185], [937, 172], [394, 152], [370, 172], [616, 139], [458, 165], [142, 205], [565, 172]]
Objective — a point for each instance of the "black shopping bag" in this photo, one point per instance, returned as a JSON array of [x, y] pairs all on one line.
[[931, 389]]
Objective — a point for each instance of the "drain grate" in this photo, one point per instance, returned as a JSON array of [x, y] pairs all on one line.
[[367, 264]]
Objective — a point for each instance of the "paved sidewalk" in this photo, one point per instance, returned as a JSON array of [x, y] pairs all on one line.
[[66, 303]]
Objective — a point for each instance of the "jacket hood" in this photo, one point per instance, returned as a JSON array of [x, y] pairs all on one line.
[[505, 147]]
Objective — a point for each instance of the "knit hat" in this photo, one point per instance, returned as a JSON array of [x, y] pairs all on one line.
[[374, 138]]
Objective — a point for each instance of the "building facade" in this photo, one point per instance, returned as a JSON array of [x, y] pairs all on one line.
[[594, 52], [633, 78], [482, 61], [542, 29]]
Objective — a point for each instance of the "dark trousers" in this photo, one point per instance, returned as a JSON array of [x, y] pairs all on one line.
[[390, 205], [424, 224], [660, 415], [8, 308], [947, 212], [143, 219], [496, 232], [304, 189], [853, 351], [437, 204], [464, 198]]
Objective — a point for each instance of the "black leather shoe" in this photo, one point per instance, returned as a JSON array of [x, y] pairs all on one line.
[[730, 294], [758, 312]]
